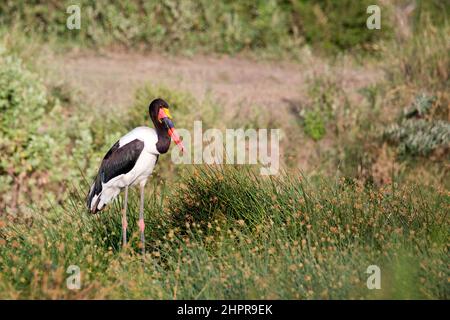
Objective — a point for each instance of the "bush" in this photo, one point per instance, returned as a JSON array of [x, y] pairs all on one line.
[[44, 145], [336, 25], [23, 142], [416, 136], [314, 124], [324, 94], [188, 26]]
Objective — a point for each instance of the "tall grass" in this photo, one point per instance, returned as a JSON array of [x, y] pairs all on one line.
[[190, 26], [224, 232]]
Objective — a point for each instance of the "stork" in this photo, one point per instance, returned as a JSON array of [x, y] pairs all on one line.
[[130, 162]]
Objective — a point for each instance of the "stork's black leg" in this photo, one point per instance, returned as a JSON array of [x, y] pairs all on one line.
[[124, 218], [141, 218]]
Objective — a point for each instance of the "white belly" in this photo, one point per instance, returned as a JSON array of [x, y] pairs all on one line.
[[142, 170]]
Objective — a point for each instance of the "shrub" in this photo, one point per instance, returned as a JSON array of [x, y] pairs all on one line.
[[323, 94], [44, 145], [314, 124], [418, 136], [23, 143]]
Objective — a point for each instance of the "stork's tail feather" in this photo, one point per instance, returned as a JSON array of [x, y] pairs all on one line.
[[94, 196], [100, 195]]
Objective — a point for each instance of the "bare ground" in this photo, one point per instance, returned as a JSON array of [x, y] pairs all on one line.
[[109, 80]]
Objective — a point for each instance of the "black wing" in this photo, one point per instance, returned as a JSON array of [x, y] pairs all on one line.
[[117, 161], [120, 160]]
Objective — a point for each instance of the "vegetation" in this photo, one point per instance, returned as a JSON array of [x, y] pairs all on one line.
[[323, 93], [314, 125], [226, 233], [190, 26], [378, 192], [37, 150], [419, 136]]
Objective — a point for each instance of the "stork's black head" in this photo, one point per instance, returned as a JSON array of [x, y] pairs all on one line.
[[161, 118], [153, 108]]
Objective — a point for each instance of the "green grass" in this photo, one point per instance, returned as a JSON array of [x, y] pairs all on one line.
[[224, 232], [274, 28], [271, 27]]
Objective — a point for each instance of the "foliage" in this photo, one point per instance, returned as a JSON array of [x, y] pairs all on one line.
[[188, 26], [314, 124], [323, 93], [337, 25], [226, 233], [25, 143], [43, 143], [418, 136]]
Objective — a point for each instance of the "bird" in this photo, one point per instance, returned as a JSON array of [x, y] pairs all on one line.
[[130, 162]]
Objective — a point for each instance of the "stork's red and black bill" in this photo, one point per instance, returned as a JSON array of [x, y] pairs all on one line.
[[165, 117]]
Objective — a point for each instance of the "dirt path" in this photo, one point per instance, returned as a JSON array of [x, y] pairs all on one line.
[[109, 80]]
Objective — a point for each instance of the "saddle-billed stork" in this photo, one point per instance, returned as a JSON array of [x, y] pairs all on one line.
[[130, 162]]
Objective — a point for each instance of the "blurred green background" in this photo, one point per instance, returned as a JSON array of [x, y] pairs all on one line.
[[226, 26]]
